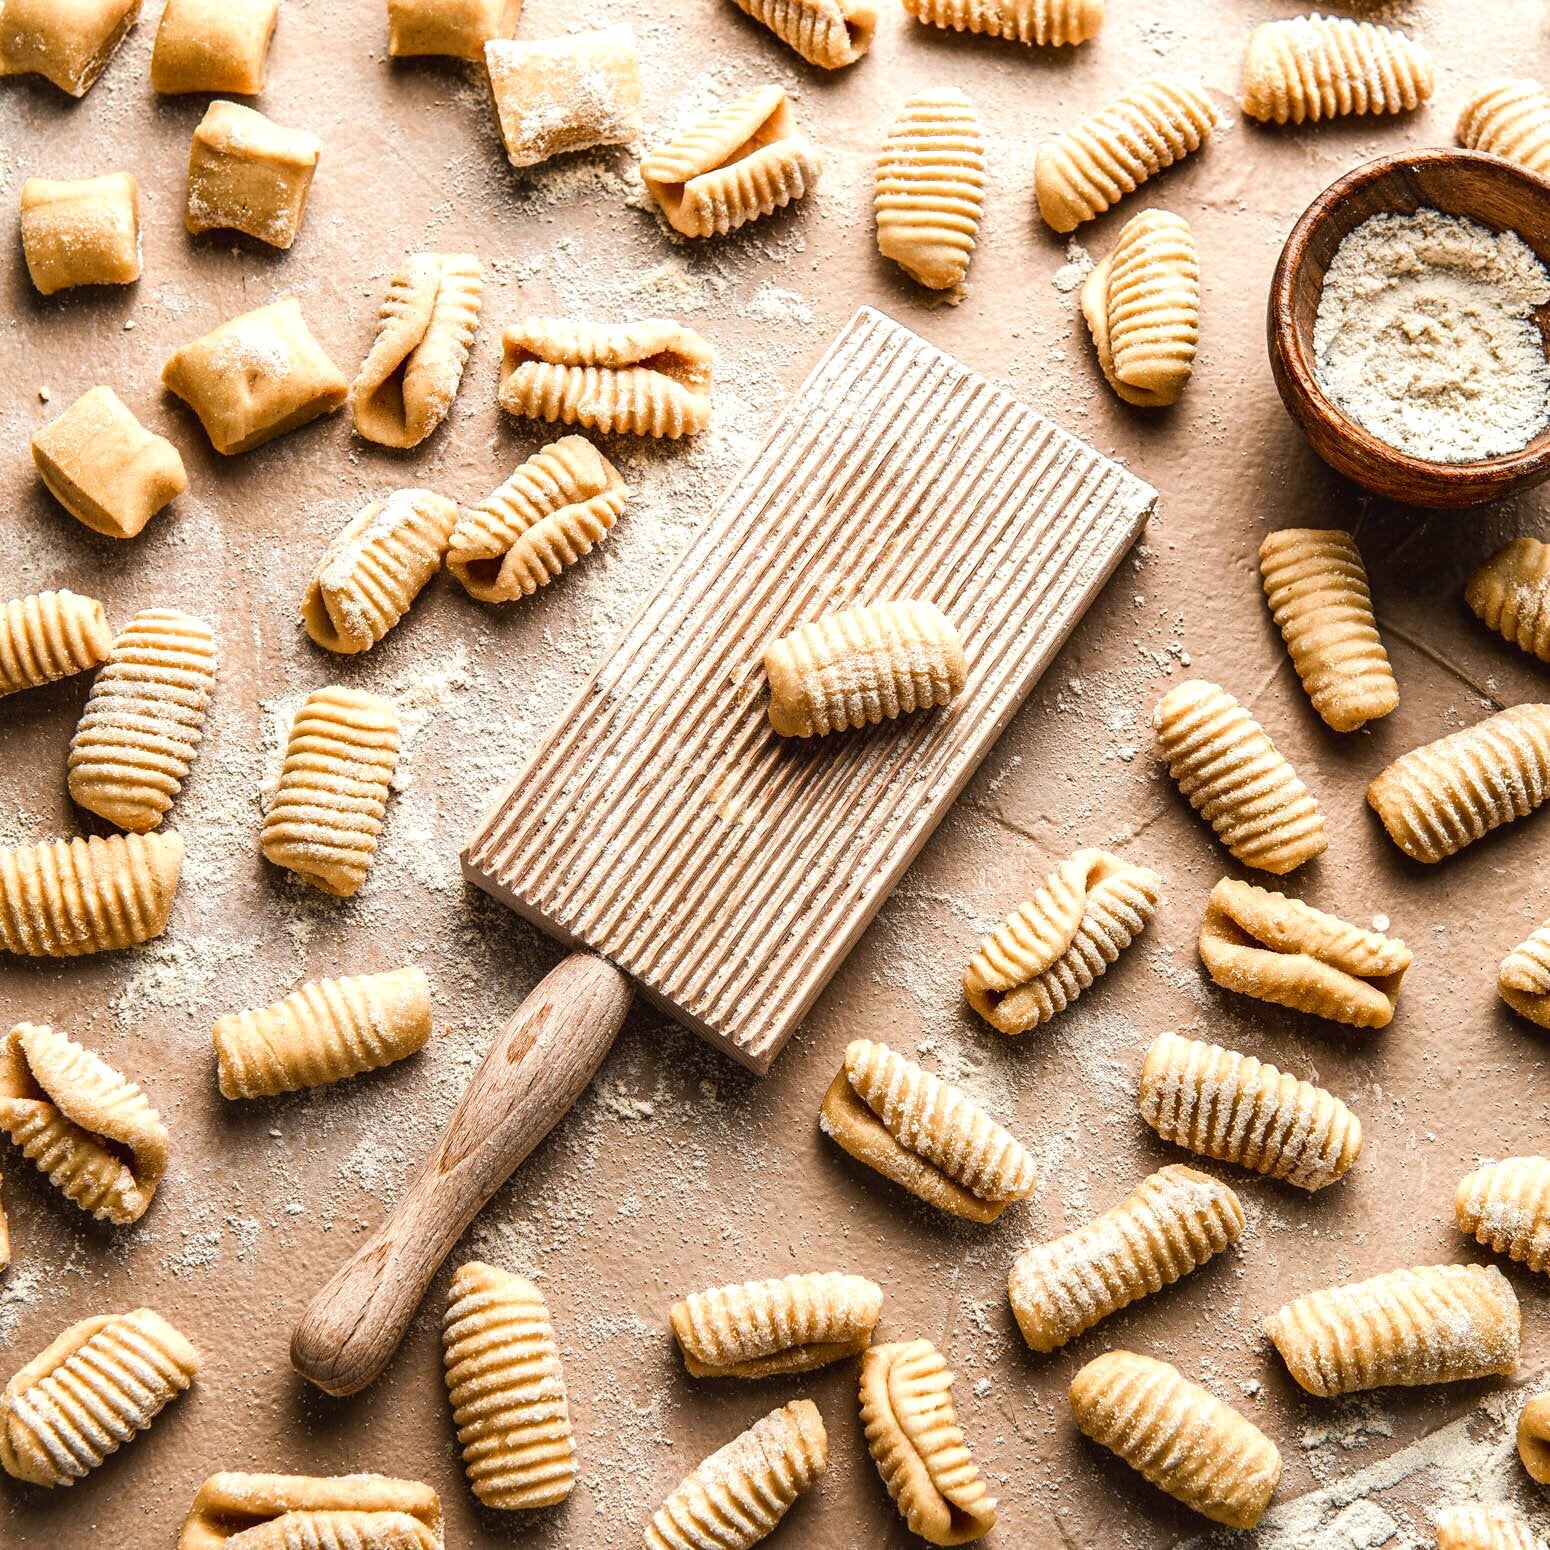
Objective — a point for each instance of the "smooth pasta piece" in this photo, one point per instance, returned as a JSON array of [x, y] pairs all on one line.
[[64, 898], [48, 636], [144, 719], [863, 665], [914, 1438], [1281, 950], [572, 93], [1223, 761], [458, 29], [1236, 1109], [1436, 800], [1051, 949], [5, 1234], [1086, 169], [1509, 118], [555, 508], [732, 165], [1044, 23], [247, 173], [930, 191], [326, 815], [640, 379], [324, 1031], [101, 1382], [408, 380], [928, 1136], [1321, 602], [761, 1329], [83, 232], [1177, 1435], [1435, 1324], [68, 42], [1506, 1206], [1307, 68], [213, 46], [1475, 1527], [1171, 1223], [1534, 1438], [1510, 593], [305, 1512], [507, 1390], [375, 568], [828, 33], [1524, 980]]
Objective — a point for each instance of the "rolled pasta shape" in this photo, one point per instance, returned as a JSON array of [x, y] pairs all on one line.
[[1506, 1206], [1315, 67], [1472, 1526], [1509, 118], [1510, 593], [828, 33], [308, 1512], [1524, 980], [1534, 1437], [1043, 23], [48, 636]]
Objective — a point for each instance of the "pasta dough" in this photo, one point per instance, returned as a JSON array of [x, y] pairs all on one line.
[[1534, 1438], [68, 42], [85, 232], [306, 1512], [1509, 118], [1047, 23], [48, 636], [828, 33], [913, 1435], [1314, 67], [1051, 949], [457, 28], [213, 46], [1524, 980], [1474, 1527], [1506, 1206], [247, 173], [1510, 593]]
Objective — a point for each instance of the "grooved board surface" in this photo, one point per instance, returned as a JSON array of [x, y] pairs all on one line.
[[664, 825]]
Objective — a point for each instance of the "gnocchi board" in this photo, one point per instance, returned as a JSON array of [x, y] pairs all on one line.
[[664, 825]]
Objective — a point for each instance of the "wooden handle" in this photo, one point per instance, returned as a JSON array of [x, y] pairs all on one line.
[[539, 1064]]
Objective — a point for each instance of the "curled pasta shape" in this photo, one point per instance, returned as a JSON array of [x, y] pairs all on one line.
[[863, 665], [556, 507], [763, 1328], [737, 1495], [930, 190], [1277, 949], [1313, 67], [1233, 775], [1506, 1206], [412, 372], [144, 719], [1236, 1109], [339, 1530], [50, 635], [1177, 1435], [1510, 593], [913, 1435], [1476, 1527], [1321, 602], [326, 815], [64, 898], [100, 1383], [1437, 799], [1534, 1437], [1093, 165], [1524, 981], [1045, 23], [1509, 118], [1051, 949], [1435, 1324], [826, 33], [507, 1390], [234, 1510]]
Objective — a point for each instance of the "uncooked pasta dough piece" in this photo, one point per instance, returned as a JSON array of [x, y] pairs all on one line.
[[1475, 1527], [306, 1512], [1506, 1206], [68, 42], [1313, 67], [1045, 23], [50, 635], [457, 28], [1524, 979], [247, 173], [213, 46], [85, 232], [1509, 118], [828, 33], [1534, 1437], [1510, 593], [571, 93]]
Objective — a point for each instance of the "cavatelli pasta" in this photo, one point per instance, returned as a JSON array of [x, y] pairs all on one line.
[[1509, 118], [1177, 1435], [1524, 980], [1236, 1109], [1476, 1527], [1534, 1437], [50, 635], [308, 1512], [1506, 1206], [1321, 602], [1045, 23], [1510, 593], [1236, 778], [1172, 1223], [1313, 67], [826, 33], [1051, 949]]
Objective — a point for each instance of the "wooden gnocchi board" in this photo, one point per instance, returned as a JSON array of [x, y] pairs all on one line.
[[662, 824]]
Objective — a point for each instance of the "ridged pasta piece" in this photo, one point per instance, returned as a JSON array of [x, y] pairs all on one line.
[[50, 635], [826, 33], [1321, 602], [641, 379], [732, 165], [323, 1032], [556, 507], [862, 665], [759, 1329], [412, 372], [1436, 800], [1435, 1324], [234, 1510], [1177, 1435], [1524, 980], [1142, 306], [1510, 593], [1236, 1109], [1476, 1527], [326, 815], [1314, 67], [85, 1126], [1277, 949], [1171, 1223], [144, 719], [928, 1136], [737, 1495], [338, 1530], [64, 898], [1534, 1437], [1093, 165], [100, 1383], [1044, 23], [913, 1435], [1237, 780], [507, 1390], [375, 568], [1509, 118], [1506, 1206], [1051, 949]]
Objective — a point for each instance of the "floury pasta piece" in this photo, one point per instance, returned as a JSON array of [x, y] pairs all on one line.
[[308, 1512], [458, 29], [732, 165], [256, 377], [1315, 67], [1510, 593], [1472, 1526], [213, 46], [573, 93], [1045, 23], [1509, 118], [81, 232], [50, 635], [247, 173], [1524, 978], [68, 42], [1506, 1206], [1534, 1437], [828, 33]]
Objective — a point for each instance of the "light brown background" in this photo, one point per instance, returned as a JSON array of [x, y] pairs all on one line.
[[679, 1170]]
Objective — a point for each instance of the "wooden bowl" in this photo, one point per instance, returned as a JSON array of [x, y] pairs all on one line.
[[1486, 189]]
